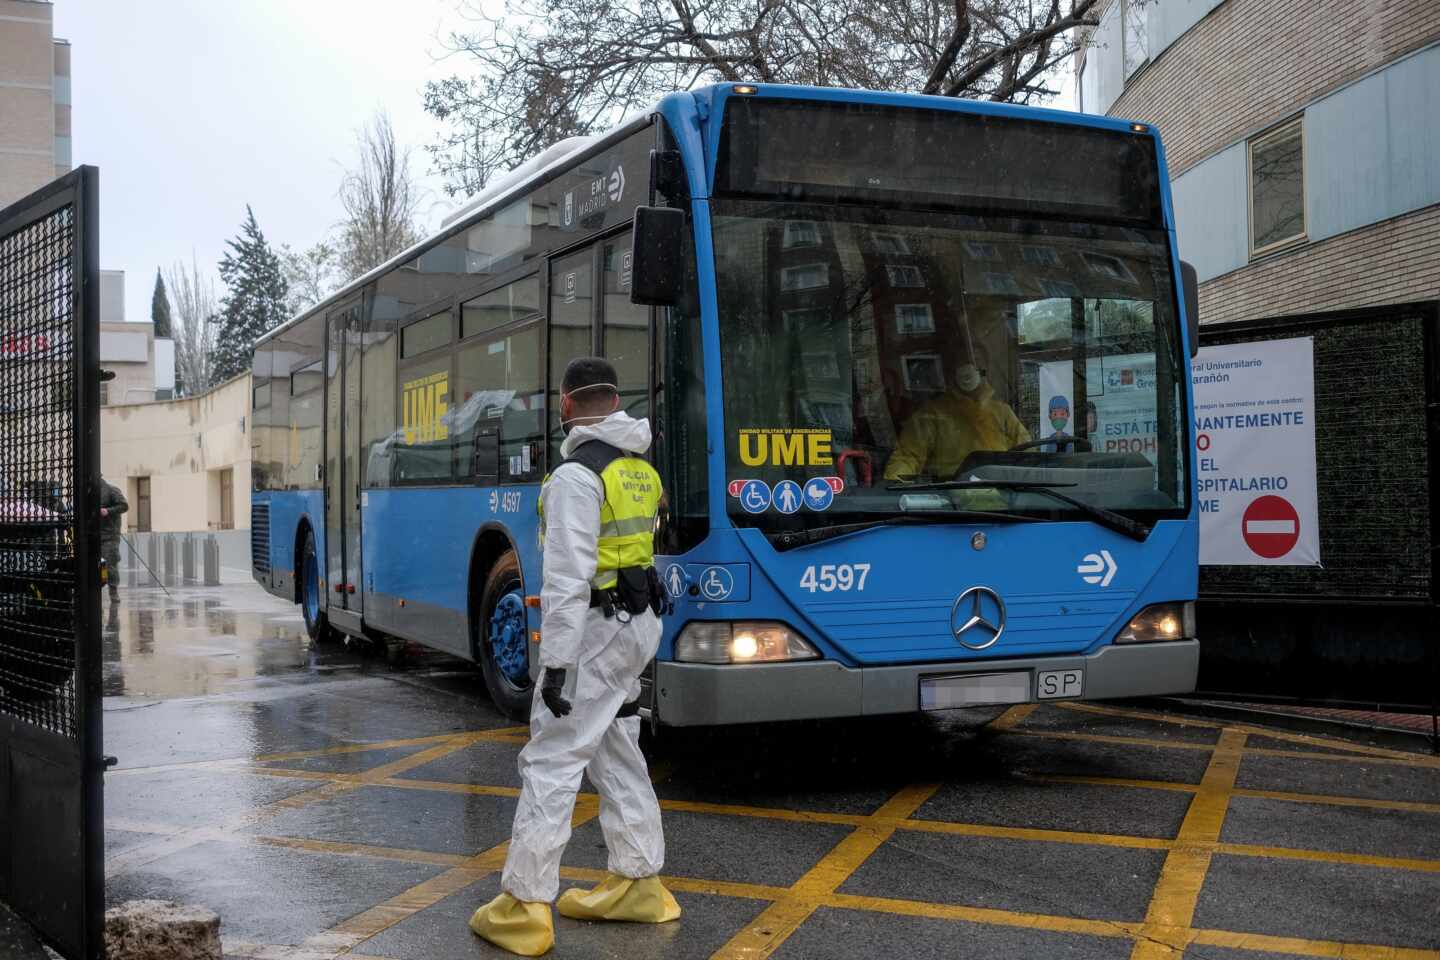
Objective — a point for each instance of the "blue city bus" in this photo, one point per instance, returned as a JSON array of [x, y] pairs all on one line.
[[918, 373]]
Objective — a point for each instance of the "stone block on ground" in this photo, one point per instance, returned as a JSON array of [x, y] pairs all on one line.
[[161, 930]]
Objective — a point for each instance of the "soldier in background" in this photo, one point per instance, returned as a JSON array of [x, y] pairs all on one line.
[[112, 505]]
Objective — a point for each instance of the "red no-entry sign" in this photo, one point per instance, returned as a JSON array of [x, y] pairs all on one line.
[[1271, 526]]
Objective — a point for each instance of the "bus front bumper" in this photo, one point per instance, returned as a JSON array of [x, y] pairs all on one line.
[[696, 694]]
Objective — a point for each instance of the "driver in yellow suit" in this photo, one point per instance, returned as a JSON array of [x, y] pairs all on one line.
[[965, 418]]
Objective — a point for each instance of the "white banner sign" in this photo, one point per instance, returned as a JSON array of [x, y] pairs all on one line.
[[1119, 412], [1255, 453]]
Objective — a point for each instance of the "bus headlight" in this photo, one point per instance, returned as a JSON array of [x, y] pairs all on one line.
[[1160, 621], [743, 641]]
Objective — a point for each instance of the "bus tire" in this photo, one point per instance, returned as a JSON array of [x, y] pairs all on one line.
[[502, 639], [317, 627]]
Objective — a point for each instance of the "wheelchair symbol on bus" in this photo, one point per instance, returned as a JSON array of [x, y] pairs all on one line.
[[755, 496], [716, 583]]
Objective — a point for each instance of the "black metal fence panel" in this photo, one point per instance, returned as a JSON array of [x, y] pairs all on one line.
[[51, 821], [1360, 629]]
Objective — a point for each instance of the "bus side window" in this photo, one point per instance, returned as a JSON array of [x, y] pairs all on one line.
[[500, 385]]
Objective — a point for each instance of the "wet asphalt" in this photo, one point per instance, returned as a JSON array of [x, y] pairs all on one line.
[[327, 801]]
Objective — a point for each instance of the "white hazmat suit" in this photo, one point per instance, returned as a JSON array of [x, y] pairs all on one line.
[[603, 659]]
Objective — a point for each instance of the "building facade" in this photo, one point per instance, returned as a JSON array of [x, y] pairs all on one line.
[[184, 465], [1303, 145], [34, 99]]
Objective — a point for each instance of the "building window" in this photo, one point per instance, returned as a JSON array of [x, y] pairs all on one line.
[[142, 505], [1277, 188], [892, 244], [914, 318], [1111, 268], [904, 275], [806, 277], [1041, 256], [1002, 283], [805, 319], [1061, 289], [1137, 40], [227, 499], [923, 372], [982, 251], [801, 233]]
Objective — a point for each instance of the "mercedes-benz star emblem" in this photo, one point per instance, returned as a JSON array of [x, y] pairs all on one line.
[[978, 617]]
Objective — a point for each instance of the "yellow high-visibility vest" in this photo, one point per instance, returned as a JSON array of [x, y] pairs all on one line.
[[627, 516]]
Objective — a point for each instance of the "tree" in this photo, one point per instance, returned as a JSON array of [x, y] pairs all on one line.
[[380, 201], [194, 331], [160, 307], [254, 302], [550, 69], [310, 274]]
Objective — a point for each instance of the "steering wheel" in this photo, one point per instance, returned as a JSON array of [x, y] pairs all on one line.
[[1079, 443]]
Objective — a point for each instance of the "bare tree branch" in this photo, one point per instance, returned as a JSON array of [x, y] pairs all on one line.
[[380, 201]]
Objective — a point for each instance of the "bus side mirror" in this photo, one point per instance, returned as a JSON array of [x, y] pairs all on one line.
[[1190, 285], [657, 273]]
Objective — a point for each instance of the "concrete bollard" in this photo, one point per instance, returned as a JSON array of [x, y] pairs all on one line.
[[152, 552], [187, 558], [212, 561], [160, 930], [169, 560]]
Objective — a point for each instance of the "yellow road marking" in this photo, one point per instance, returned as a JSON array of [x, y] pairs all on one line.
[[148, 853], [761, 936], [1117, 782], [360, 850], [1328, 856], [1308, 948], [1033, 833], [1343, 746], [1013, 717], [1105, 710], [1425, 763], [1172, 906], [1005, 918], [1338, 801], [361, 927], [1121, 741]]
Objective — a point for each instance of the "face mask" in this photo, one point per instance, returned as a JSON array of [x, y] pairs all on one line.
[[1058, 422], [967, 378]]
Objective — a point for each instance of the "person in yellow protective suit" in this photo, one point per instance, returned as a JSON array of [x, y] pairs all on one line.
[[600, 630], [965, 418]]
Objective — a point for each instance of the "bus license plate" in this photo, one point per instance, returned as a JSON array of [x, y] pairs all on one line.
[[973, 690], [1057, 684]]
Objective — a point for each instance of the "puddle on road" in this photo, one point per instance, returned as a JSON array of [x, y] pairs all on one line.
[[188, 645]]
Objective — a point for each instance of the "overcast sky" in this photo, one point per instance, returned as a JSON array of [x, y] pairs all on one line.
[[193, 108]]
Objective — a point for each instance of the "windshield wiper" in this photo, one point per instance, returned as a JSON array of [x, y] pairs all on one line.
[[803, 538], [1106, 518]]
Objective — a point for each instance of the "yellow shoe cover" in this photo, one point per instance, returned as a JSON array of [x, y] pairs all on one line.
[[515, 925], [621, 898]]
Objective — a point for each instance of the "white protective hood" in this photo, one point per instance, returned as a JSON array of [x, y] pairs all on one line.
[[619, 430]]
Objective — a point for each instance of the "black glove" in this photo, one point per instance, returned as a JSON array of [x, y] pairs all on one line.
[[550, 688]]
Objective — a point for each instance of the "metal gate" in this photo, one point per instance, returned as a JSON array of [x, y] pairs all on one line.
[[51, 841]]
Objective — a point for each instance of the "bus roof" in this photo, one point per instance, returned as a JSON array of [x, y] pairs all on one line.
[[550, 162]]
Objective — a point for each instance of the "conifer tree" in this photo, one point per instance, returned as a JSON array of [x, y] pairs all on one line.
[[160, 307], [254, 302]]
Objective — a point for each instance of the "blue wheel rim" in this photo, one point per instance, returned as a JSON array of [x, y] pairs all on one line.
[[311, 574], [508, 644]]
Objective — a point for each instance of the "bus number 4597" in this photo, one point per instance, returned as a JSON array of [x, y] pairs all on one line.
[[832, 577]]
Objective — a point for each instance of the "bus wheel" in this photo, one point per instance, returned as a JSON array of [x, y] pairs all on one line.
[[316, 625], [503, 645]]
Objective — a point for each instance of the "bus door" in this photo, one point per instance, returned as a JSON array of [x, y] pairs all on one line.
[[342, 474], [625, 327]]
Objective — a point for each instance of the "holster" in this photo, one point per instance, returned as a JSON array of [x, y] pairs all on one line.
[[636, 590]]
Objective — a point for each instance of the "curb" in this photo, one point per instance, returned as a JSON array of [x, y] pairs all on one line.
[[1408, 740]]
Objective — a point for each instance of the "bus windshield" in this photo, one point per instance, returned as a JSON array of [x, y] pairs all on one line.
[[864, 348]]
